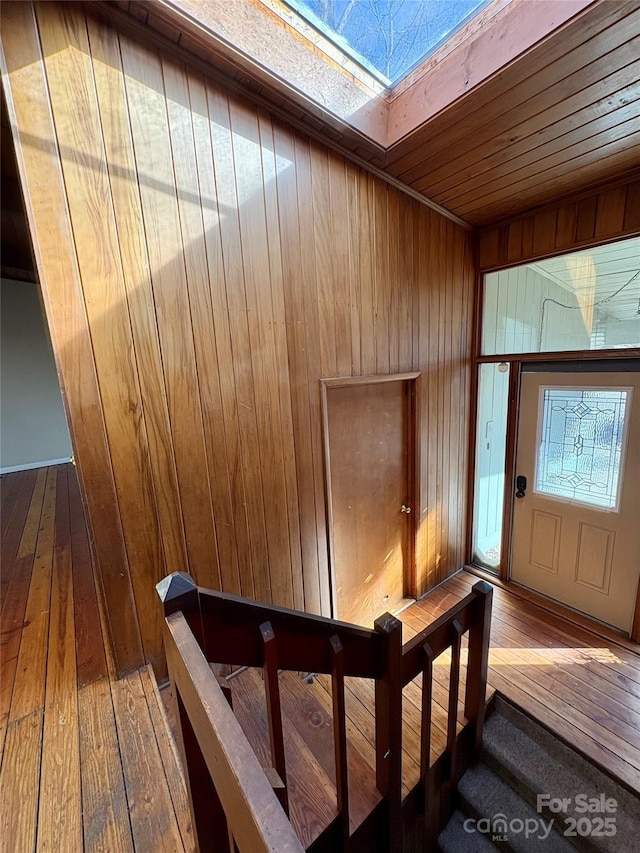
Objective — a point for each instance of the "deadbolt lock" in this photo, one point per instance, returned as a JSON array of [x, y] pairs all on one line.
[[405, 508]]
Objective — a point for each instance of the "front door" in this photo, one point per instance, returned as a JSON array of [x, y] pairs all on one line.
[[368, 444], [576, 520]]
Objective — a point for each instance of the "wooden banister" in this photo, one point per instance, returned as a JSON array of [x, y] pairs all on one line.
[[437, 782], [233, 801], [274, 709], [253, 816], [231, 635]]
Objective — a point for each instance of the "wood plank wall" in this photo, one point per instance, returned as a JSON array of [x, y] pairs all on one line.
[[602, 216], [203, 267]]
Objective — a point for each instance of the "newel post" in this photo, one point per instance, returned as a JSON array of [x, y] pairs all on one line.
[[478, 662], [179, 591], [388, 700]]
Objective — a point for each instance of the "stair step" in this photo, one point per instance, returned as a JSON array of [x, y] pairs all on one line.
[[532, 761], [484, 794], [455, 839]]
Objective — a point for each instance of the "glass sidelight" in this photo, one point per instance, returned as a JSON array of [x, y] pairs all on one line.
[[491, 435]]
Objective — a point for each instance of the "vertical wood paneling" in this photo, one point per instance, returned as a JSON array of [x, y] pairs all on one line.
[[53, 241], [69, 73], [116, 134], [609, 214], [228, 264], [231, 513], [270, 169], [155, 176]]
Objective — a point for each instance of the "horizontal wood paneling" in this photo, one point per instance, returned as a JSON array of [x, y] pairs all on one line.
[[561, 117], [224, 265], [610, 213]]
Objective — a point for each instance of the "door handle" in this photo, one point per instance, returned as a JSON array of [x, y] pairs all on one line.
[[521, 486], [405, 508]]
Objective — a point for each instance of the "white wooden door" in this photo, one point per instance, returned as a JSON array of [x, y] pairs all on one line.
[[576, 528]]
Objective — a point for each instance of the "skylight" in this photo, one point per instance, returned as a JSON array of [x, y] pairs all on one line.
[[388, 37]]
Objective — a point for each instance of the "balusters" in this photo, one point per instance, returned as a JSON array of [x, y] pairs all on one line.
[[340, 732], [425, 733], [454, 688], [388, 701], [274, 710], [478, 661]]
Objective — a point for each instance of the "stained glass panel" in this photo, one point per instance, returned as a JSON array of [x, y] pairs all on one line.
[[581, 443]]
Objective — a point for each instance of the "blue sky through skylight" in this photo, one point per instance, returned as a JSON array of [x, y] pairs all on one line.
[[391, 36]]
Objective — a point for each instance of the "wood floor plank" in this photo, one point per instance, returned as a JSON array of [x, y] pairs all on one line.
[[28, 692], [29, 536], [565, 633], [11, 626], [105, 818], [315, 726], [542, 708], [63, 756], [59, 815], [17, 515], [170, 758], [578, 707], [16, 498], [19, 782], [8, 483], [312, 795], [153, 821], [91, 660]]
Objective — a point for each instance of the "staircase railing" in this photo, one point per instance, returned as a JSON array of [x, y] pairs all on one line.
[[236, 805], [432, 798]]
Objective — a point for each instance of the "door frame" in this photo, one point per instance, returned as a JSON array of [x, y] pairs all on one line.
[[413, 468], [546, 371], [577, 362]]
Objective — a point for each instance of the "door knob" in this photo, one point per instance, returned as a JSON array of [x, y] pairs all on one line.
[[521, 486], [405, 508]]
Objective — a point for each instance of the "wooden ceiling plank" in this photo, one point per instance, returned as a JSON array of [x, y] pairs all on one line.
[[536, 162], [597, 24], [517, 29], [528, 99], [553, 136], [559, 172], [599, 170]]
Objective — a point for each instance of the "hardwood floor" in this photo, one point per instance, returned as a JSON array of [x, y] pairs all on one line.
[[584, 688], [87, 762]]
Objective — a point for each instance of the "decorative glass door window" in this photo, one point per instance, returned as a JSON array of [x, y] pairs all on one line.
[[581, 443]]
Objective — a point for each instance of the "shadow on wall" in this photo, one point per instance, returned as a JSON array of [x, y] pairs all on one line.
[[225, 265]]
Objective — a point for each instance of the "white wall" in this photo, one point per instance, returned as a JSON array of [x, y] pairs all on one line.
[[33, 428], [521, 314]]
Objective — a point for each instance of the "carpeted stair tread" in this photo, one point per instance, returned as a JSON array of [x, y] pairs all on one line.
[[485, 794], [454, 838], [533, 762]]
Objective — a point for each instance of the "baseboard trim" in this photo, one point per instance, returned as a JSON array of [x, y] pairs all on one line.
[[29, 466]]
